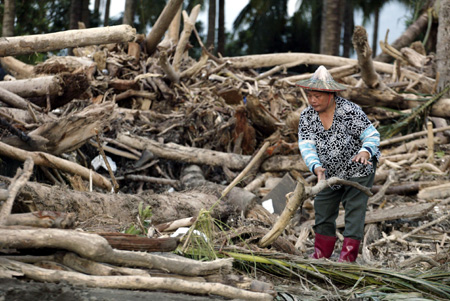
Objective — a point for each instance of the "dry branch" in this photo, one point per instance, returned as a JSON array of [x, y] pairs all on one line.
[[66, 39], [47, 160]]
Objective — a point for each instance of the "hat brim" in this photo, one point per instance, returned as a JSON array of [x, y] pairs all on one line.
[[319, 85]]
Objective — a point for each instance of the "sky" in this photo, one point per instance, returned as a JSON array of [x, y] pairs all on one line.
[[392, 17]]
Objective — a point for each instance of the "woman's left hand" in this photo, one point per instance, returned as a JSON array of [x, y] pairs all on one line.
[[362, 157]]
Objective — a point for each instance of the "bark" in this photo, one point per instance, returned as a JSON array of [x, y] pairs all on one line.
[[284, 163], [66, 39], [211, 36], [408, 36], [443, 46], [162, 24], [364, 53], [128, 14], [134, 282], [9, 15], [14, 100]]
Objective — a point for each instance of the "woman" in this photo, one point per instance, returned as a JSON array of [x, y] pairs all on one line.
[[336, 139]]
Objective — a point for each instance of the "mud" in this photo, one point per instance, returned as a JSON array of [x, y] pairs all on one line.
[[20, 290]]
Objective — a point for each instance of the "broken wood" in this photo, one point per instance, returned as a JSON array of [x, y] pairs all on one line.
[[47, 160], [66, 39], [162, 24], [42, 219], [131, 242]]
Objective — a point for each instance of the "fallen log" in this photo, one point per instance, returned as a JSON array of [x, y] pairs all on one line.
[[66, 39], [435, 192], [42, 219], [132, 282], [181, 153], [114, 209], [268, 60], [95, 247]]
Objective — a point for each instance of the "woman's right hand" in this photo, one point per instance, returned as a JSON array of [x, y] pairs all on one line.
[[320, 173]]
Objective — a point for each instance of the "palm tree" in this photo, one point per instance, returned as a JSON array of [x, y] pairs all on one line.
[[9, 15], [221, 39], [261, 26], [211, 37], [128, 14]]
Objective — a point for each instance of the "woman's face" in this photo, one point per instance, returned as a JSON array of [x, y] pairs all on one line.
[[320, 101]]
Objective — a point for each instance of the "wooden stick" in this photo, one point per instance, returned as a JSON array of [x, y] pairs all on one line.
[[430, 142], [18, 181], [246, 169], [111, 173]]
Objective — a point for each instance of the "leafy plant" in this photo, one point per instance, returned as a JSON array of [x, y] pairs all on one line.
[[143, 221]]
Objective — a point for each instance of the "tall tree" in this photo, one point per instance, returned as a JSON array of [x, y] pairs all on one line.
[[85, 13], [330, 37], [349, 25], [211, 37], [128, 15], [443, 45], [221, 37], [9, 15]]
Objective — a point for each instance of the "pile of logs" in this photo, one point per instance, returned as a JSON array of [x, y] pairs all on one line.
[[182, 135]]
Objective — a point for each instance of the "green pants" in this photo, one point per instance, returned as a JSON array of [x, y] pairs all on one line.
[[354, 201]]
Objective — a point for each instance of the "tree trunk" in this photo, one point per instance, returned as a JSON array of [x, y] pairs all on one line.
[[443, 46], [9, 15], [75, 13], [221, 29], [349, 24], [66, 39], [128, 14], [330, 36], [410, 34], [375, 31], [211, 38], [161, 24], [107, 10], [85, 13]]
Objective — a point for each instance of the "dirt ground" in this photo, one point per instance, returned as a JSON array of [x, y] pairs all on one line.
[[18, 290]]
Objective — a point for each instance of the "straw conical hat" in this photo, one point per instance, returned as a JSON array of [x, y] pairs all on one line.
[[321, 81]]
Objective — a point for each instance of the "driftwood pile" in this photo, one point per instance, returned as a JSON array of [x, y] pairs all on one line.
[[182, 135]]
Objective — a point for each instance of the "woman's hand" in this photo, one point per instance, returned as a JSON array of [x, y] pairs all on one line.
[[320, 173], [362, 157]]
